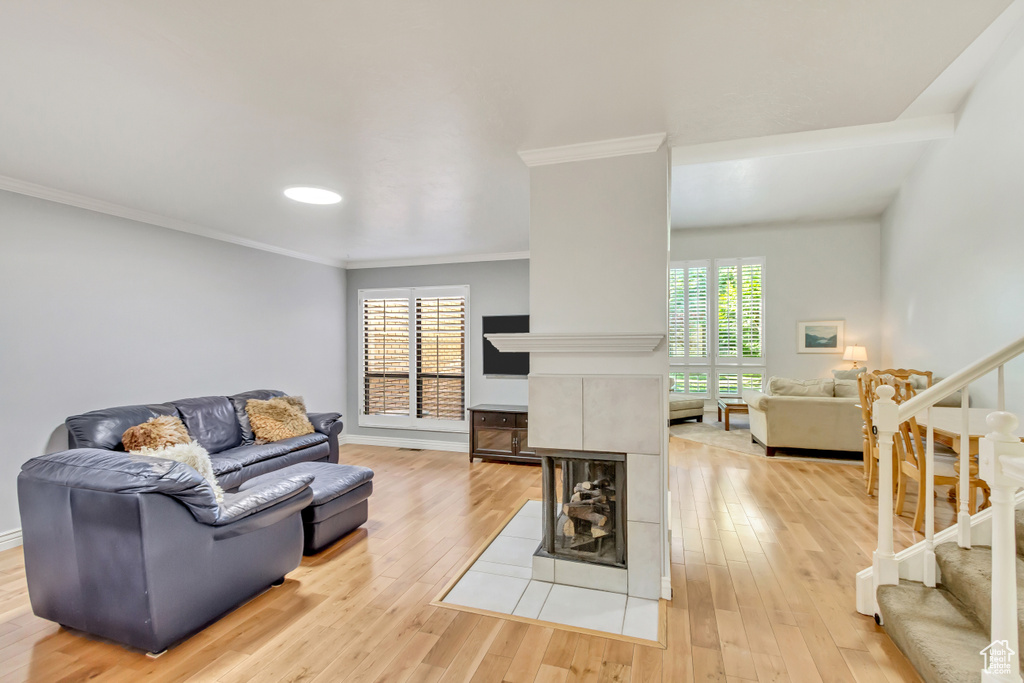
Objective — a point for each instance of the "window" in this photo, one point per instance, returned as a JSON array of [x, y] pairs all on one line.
[[414, 358], [716, 326]]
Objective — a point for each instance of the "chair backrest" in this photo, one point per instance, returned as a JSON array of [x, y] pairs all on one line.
[[907, 442], [909, 374], [867, 386]]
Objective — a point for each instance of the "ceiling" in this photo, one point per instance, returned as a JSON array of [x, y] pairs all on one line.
[[813, 186], [203, 112]]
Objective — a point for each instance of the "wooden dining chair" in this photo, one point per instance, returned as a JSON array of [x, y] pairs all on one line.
[[867, 383], [910, 449]]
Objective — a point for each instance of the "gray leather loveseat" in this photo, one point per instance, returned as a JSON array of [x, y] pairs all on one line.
[[221, 426], [137, 549]]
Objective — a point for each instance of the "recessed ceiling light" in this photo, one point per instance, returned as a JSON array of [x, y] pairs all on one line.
[[312, 195]]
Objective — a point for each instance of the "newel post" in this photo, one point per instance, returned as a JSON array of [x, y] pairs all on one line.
[[885, 415], [994, 449]]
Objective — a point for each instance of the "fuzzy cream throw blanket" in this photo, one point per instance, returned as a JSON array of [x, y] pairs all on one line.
[[193, 455]]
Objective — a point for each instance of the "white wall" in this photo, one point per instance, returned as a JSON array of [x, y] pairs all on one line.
[[97, 311], [813, 271], [953, 241], [599, 252], [495, 288]]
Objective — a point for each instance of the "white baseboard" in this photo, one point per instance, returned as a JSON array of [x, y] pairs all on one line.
[[398, 442], [10, 539]]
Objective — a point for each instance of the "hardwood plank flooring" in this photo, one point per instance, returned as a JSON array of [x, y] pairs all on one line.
[[764, 555]]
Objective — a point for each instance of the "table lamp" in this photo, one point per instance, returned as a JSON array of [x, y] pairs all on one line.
[[856, 354]]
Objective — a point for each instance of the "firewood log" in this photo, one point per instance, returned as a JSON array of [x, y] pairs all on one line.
[[569, 528]]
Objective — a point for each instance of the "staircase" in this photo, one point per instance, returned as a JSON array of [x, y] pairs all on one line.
[[943, 630], [944, 603]]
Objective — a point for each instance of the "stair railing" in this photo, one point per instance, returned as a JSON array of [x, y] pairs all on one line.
[[1001, 465]]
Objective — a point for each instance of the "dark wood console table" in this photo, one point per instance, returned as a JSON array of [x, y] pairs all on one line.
[[500, 433]]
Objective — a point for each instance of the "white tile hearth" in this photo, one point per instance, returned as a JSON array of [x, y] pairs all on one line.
[[585, 608], [503, 569], [641, 619], [499, 581], [533, 599], [511, 550], [487, 591], [524, 527]]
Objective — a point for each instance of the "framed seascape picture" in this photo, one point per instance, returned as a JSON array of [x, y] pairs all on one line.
[[820, 336]]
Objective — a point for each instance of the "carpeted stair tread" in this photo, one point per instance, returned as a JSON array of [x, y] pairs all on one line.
[[934, 630], [967, 574]]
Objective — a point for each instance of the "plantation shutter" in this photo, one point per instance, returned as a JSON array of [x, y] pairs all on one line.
[[751, 323], [697, 312], [677, 313], [728, 303], [688, 311], [385, 326], [440, 357]]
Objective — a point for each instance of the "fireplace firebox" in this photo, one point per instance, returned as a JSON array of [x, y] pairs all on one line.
[[584, 506]]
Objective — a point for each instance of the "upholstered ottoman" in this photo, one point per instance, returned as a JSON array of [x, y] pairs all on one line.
[[339, 504], [681, 408]]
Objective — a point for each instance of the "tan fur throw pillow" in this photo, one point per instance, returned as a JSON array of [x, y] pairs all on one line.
[[278, 418], [156, 432]]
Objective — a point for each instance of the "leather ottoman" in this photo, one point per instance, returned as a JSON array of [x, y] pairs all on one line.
[[339, 504]]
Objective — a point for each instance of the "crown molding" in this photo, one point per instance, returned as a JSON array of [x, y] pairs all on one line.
[[111, 209], [599, 149], [900, 131], [539, 342], [438, 260]]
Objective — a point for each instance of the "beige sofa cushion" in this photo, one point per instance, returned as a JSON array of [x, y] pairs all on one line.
[[848, 374], [846, 388], [783, 386]]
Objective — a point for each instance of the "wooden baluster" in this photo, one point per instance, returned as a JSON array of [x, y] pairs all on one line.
[[995, 448], [886, 419]]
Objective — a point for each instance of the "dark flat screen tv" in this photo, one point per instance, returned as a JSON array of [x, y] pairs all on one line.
[[497, 363]]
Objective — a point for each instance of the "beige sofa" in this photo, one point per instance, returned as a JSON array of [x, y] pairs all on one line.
[[806, 414]]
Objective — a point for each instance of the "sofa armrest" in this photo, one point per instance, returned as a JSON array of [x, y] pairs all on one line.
[[755, 399], [331, 425], [324, 422], [238, 506]]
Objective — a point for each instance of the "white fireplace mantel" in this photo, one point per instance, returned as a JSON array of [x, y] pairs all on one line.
[[574, 343]]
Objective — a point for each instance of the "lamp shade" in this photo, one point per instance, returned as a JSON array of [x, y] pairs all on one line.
[[855, 353]]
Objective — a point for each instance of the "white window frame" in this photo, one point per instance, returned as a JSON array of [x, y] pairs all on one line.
[[714, 365], [410, 421]]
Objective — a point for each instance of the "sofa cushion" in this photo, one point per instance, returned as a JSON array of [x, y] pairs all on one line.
[[103, 428], [685, 403], [848, 374], [236, 458], [156, 432], [279, 418], [783, 386], [238, 402], [211, 421], [846, 388]]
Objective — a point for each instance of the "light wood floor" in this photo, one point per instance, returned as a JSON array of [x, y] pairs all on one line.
[[764, 556]]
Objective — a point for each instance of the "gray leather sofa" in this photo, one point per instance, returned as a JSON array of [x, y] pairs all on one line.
[[221, 426], [137, 550]]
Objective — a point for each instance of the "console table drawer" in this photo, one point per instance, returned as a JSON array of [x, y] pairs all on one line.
[[494, 419], [521, 420]]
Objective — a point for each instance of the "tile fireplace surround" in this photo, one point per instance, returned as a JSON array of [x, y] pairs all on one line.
[[608, 414]]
